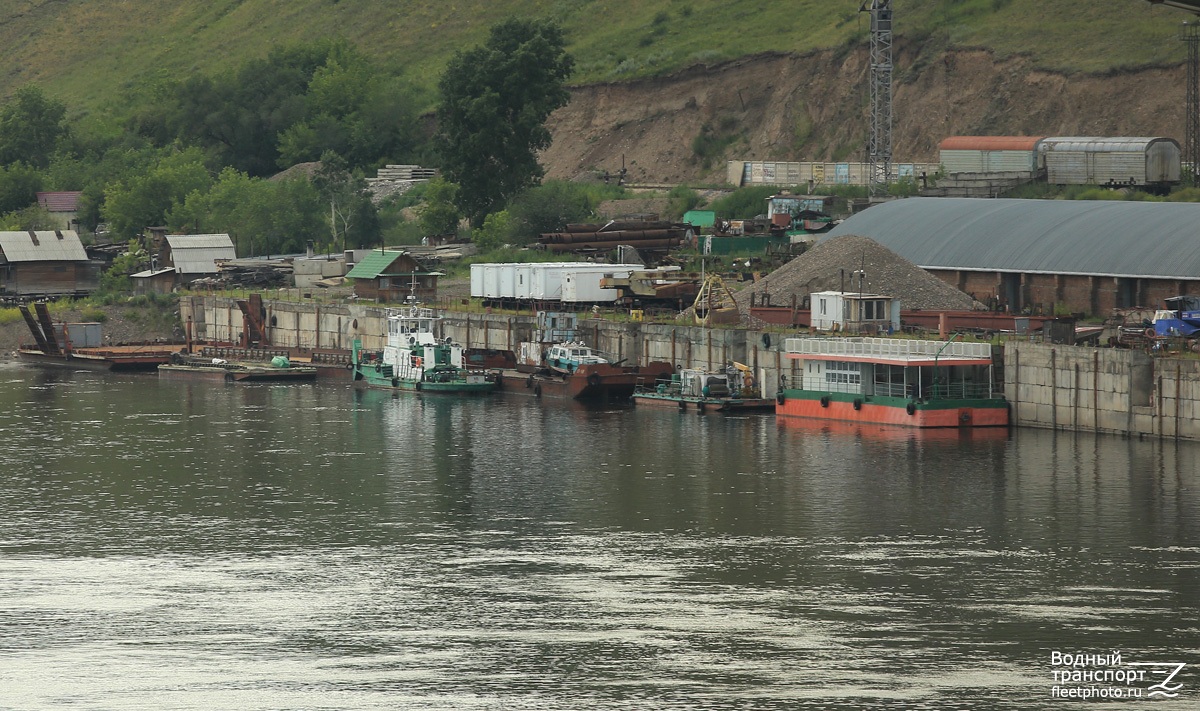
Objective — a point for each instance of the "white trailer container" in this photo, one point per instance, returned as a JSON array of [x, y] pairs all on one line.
[[491, 281], [477, 272], [508, 281], [523, 281], [543, 281], [583, 286]]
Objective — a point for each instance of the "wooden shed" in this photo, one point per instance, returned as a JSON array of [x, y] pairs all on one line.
[[45, 263], [393, 276]]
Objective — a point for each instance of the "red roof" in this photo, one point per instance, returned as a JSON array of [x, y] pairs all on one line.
[[989, 143], [59, 202]]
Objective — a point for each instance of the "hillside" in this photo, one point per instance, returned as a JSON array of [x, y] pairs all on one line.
[[767, 81]]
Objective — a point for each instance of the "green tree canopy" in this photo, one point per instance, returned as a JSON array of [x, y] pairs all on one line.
[[299, 102], [262, 216], [19, 186], [550, 207], [439, 214], [495, 101], [30, 127], [145, 198]]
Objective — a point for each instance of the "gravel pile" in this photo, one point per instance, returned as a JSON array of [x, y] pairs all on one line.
[[887, 273]]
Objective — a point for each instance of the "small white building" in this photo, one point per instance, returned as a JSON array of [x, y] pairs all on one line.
[[854, 312]]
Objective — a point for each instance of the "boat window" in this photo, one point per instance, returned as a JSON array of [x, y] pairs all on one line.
[[837, 371]]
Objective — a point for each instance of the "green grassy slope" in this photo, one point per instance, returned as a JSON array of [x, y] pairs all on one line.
[[89, 52]]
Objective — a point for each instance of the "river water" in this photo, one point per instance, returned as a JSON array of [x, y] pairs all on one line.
[[197, 546]]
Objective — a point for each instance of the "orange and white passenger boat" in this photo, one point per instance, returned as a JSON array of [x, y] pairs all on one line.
[[894, 381]]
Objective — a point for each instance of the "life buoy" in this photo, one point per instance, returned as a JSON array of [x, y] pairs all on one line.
[[1150, 333], [911, 408], [418, 361], [857, 404], [349, 366], [824, 401]]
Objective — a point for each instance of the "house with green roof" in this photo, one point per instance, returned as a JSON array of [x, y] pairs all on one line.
[[388, 276]]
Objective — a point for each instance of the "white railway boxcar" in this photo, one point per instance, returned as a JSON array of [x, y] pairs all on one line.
[[1091, 160], [990, 154]]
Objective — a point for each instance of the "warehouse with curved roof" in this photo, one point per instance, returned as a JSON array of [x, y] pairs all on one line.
[[1085, 255]]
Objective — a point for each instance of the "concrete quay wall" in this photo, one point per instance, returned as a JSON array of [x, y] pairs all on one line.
[[1102, 390], [335, 326]]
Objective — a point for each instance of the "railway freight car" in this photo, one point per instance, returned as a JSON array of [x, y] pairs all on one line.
[[1150, 162], [991, 154]]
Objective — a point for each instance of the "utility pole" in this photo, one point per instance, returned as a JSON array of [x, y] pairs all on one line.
[[879, 146], [1191, 130]]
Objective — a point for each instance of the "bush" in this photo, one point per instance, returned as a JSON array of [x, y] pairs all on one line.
[[93, 315]]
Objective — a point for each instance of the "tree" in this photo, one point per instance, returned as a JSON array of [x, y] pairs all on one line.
[[264, 217], [439, 215], [550, 207], [19, 186], [495, 101], [496, 231], [353, 219], [30, 127], [144, 199]]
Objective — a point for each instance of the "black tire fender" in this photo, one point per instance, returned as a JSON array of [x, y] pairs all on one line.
[[911, 408], [858, 403], [594, 380], [824, 401], [780, 398], [537, 390]]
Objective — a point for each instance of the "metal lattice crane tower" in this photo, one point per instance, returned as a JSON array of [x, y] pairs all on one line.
[[1191, 127], [879, 146]]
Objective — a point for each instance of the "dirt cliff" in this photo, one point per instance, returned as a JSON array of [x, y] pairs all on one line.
[[816, 107]]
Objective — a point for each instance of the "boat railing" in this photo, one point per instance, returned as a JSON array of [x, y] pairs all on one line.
[[886, 348], [940, 391]]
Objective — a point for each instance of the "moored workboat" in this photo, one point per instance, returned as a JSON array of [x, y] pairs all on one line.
[[279, 369], [415, 359], [570, 356], [911, 383], [732, 390]]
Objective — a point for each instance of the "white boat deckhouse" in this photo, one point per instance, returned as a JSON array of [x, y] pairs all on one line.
[[894, 367]]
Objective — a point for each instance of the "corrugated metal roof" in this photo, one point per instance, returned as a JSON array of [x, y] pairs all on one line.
[[989, 143], [188, 241], [59, 201], [373, 264], [49, 247], [198, 254], [1089, 237], [152, 273], [1115, 144]]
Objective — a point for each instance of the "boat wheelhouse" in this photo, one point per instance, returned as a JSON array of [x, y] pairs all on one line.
[[912, 383], [414, 358], [568, 357]]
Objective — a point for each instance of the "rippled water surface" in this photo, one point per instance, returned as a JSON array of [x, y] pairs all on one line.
[[198, 546]]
